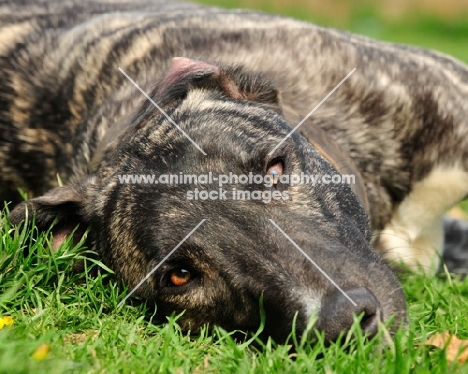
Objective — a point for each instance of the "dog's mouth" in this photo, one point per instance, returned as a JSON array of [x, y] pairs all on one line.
[[337, 316]]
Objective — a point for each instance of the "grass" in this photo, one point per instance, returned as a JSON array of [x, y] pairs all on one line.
[[75, 319]]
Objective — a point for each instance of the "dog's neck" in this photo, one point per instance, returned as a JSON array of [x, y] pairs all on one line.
[[121, 109]]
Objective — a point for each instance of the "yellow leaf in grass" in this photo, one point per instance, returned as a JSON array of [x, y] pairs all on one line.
[[456, 348]]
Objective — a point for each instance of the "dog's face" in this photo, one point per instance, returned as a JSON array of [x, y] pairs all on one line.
[[306, 251]]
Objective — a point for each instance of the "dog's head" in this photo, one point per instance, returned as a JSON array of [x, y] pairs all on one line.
[[303, 246]]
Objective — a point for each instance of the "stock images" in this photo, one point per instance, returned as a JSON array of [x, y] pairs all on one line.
[[233, 187]]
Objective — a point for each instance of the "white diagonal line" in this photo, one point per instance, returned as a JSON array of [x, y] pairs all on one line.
[[312, 111], [160, 263], [313, 263], [162, 111]]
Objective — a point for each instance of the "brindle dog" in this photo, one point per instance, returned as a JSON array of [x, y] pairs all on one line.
[[245, 79]]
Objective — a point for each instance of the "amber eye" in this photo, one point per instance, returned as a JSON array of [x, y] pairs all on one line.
[[179, 277], [275, 170]]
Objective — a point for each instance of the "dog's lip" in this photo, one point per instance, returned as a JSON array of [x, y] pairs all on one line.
[[369, 323], [388, 311]]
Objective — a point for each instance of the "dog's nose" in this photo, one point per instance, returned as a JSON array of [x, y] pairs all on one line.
[[336, 313]]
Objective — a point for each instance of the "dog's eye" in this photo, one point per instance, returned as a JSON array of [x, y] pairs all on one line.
[[179, 277], [275, 169]]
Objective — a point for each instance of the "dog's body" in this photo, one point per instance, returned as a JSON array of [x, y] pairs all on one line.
[[401, 119]]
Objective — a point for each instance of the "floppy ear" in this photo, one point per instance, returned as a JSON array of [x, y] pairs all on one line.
[[233, 81], [64, 204]]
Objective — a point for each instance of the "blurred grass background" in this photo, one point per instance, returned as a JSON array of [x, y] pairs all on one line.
[[435, 24]]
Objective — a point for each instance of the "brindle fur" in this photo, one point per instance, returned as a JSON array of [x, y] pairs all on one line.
[[66, 109]]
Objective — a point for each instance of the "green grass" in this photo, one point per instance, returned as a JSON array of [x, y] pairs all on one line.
[[77, 317]]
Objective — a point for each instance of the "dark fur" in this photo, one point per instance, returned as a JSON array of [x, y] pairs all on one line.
[[455, 245], [66, 109]]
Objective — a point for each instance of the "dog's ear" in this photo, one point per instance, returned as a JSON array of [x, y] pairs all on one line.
[[185, 74], [63, 205]]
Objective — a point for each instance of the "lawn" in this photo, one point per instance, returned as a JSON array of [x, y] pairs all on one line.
[[62, 322], [65, 323]]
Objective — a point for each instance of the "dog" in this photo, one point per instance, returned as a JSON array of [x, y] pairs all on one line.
[[97, 92]]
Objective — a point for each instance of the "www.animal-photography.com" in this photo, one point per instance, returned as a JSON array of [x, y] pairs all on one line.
[[234, 187]]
